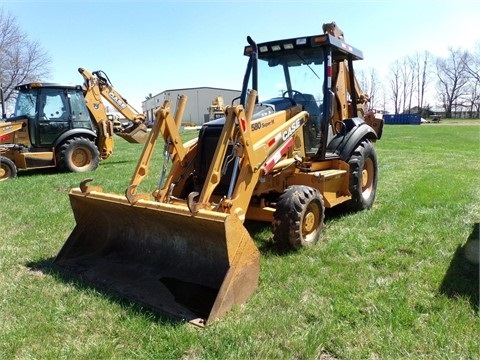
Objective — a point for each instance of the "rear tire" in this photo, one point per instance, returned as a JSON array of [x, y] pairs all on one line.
[[8, 170], [298, 218], [363, 177], [78, 155]]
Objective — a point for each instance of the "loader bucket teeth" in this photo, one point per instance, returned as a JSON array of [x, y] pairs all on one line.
[[138, 135], [192, 267]]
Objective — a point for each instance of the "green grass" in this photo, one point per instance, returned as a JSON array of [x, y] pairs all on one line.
[[388, 283]]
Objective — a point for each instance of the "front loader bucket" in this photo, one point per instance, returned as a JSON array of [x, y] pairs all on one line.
[[137, 135], [194, 267]]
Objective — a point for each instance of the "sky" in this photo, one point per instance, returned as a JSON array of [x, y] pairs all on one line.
[[148, 46]]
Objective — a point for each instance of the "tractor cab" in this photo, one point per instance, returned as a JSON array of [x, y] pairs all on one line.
[[300, 72], [49, 111]]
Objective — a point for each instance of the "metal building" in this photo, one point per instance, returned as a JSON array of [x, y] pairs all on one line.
[[198, 102]]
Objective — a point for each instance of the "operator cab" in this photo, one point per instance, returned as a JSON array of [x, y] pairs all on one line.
[[299, 71], [55, 108]]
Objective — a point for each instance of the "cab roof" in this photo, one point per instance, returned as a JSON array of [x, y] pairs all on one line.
[[308, 44], [35, 85]]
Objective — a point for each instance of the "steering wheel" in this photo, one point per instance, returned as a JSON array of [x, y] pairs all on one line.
[[294, 92]]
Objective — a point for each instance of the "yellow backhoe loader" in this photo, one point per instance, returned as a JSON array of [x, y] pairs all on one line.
[[64, 126], [182, 248], [217, 109]]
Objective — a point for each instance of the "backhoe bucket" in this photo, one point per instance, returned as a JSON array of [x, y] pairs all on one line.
[[194, 267], [138, 135]]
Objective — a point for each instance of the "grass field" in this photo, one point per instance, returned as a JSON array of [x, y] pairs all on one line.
[[388, 283]]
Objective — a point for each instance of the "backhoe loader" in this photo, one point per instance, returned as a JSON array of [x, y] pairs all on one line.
[[64, 126], [280, 157], [216, 110]]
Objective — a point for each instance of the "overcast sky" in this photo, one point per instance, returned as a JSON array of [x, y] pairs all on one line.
[[150, 46]]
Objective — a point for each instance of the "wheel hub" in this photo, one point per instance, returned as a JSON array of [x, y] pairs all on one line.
[[364, 178], [309, 222], [79, 158]]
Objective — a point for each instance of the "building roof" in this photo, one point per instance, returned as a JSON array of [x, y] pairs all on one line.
[[197, 88]]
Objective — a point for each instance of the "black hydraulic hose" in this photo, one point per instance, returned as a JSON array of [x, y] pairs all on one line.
[[254, 63], [243, 95], [252, 68], [103, 77]]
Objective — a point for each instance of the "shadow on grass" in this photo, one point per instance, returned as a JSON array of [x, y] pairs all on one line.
[[48, 267], [261, 233], [26, 173], [116, 162], [462, 276], [37, 172]]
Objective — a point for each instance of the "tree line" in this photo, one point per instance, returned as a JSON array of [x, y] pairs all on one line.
[[452, 81]]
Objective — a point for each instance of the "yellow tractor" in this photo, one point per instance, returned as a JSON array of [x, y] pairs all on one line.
[[217, 109], [64, 126], [280, 157]]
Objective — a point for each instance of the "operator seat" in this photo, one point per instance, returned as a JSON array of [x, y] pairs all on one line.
[[313, 124], [308, 102]]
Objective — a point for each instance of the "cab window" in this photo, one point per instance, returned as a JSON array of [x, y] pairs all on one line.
[[26, 104], [80, 115]]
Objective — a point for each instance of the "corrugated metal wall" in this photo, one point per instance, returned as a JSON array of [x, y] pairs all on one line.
[[198, 102]]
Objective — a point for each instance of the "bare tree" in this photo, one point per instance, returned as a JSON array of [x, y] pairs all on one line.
[[421, 64], [409, 76], [21, 60], [472, 98], [472, 62], [472, 66], [403, 75], [452, 80], [396, 86], [371, 85]]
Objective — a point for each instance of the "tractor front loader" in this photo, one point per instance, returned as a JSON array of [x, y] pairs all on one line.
[[182, 249]]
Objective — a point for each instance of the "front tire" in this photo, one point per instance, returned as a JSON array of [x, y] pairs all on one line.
[[78, 155], [363, 176], [298, 218], [8, 170]]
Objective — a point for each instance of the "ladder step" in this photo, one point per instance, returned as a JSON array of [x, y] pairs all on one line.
[[331, 173]]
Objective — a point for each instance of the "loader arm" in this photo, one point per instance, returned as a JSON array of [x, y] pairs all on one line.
[[168, 126], [255, 153], [261, 152]]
